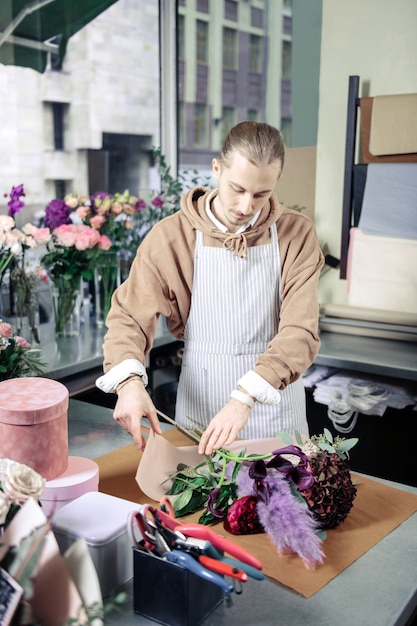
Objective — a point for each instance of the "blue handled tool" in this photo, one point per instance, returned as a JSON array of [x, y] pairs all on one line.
[[189, 562]]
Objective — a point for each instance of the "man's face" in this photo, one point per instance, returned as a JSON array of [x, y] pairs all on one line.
[[244, 188]]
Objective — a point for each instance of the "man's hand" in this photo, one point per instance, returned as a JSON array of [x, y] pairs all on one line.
[[132, 404], [224, 427]]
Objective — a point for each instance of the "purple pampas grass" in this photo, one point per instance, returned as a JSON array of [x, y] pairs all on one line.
[[285, 518]]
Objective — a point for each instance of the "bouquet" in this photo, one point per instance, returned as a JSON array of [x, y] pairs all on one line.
[[17, 357], [295, 493]]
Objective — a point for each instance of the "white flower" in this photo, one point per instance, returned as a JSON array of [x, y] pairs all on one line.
[[22, 482], [4, 507]]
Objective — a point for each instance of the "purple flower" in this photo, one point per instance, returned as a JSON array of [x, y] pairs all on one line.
[[15, 204], [158, 202], [211, 501], [299, 475], [140, 205], [257, 471], [57, 213]]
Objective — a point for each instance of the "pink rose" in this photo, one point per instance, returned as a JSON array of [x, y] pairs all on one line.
[[97, 221], [82, 212], [242, 517], [65, 235], [21, 342], [42, 235], [104, 243], [6, 330]]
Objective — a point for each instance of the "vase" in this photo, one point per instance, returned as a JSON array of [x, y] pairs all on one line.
[[67, 300], [106, 280]]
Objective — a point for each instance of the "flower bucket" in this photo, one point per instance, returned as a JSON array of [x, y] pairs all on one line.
[[67, 302], [34, 424], [106, 280]]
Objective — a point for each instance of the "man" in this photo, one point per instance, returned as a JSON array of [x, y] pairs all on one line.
[[235, 274]]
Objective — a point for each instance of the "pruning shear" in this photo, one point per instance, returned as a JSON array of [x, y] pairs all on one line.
[[206, 545]]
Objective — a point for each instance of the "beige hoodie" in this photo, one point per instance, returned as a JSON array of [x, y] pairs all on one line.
[[161, 277]]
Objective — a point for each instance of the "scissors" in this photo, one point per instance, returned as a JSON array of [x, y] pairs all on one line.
[[206, 545], [146, 533]]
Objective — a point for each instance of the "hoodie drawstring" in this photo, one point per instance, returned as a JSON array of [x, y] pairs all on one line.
[[237, 243]]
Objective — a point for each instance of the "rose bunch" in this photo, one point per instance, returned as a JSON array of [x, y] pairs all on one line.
[[17, 357]]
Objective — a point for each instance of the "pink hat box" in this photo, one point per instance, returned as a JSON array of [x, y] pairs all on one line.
[[34, 424], [80, 477]]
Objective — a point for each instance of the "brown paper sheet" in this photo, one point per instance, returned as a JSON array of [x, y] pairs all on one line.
[[368, 314], [366, 105], [394, 124], [378, 509]]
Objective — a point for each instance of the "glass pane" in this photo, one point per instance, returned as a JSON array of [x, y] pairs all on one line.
[[247, 74]]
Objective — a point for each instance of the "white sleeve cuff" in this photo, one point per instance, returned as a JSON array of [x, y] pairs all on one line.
[[109, 382], [259, 388]]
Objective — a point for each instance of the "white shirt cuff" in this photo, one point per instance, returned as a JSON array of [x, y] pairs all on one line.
[[109, 382], [259, 388]]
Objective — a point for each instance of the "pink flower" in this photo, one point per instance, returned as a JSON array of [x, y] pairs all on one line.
[[158, 202], [97, 221], [116, 208], [42, 235], [21, 342], [104, 243], [82, 212], [71, 202], [6, 330], [140, 205], [65, 236]]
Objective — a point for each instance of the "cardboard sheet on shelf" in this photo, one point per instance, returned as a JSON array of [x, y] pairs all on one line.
[[378, 509], [368, 314]]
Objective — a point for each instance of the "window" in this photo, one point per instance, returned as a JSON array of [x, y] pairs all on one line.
[[286, 131], [181, 124], [230, 10], [255, 54], [200, 125], [60, 188], [252, 115], [229, 48], [202, 42], [286, 59], [58, 117]]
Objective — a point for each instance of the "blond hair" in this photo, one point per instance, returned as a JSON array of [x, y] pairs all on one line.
[[258, 142]]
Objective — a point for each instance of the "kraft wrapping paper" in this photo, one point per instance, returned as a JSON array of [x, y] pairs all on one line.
[[366, 106], [377, 511], [394, 124]]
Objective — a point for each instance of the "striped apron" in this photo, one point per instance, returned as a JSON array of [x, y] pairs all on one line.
[[233, 316]]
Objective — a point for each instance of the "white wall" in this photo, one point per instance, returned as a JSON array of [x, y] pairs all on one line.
[[377, 40]]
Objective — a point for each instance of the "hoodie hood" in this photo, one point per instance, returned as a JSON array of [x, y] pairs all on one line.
[[193, 206]]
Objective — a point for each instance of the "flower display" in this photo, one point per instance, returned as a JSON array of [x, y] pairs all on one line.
[[17, 357], [293, 494], [72, 252]]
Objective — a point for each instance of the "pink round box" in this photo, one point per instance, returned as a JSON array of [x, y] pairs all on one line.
[[34, 424], [80, 477]]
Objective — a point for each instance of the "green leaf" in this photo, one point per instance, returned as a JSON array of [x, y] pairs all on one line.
[[326, 446], [328, 435], [347, 444], [285, 437], [298, 438]]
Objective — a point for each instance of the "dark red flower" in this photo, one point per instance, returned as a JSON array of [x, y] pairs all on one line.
[[242, 517], [332, 494]]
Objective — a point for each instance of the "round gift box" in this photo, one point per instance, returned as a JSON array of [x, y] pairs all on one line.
[[80, 477], [34, 424]]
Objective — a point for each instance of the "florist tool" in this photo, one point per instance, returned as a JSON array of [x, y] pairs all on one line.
[[145, 535], [199, 531]]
